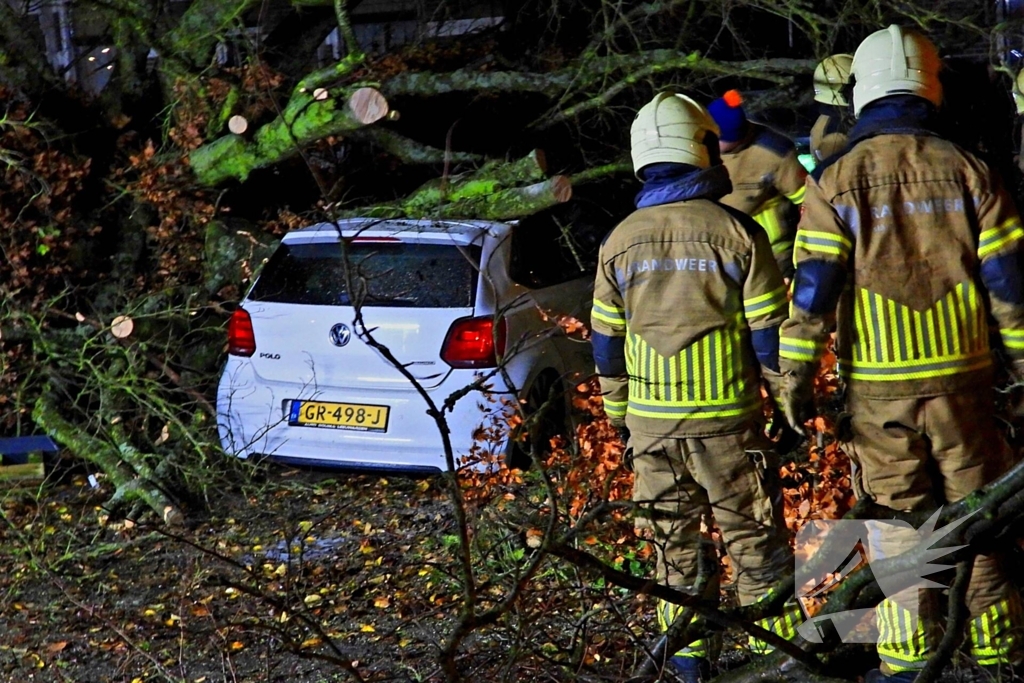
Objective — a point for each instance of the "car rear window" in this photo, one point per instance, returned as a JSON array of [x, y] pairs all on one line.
[[382, 274]]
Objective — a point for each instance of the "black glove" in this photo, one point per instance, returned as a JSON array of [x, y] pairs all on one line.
[[797, 401]]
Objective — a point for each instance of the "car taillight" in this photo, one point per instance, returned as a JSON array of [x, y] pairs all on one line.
[[241, 339], [472, 343]]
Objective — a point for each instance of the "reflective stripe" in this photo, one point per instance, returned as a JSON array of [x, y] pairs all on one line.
[[615, 408], [783, 626], [1012, 339], [667, 613], [796, 349], [994, 239], [893, 342], [707, 379], [798, 196], [823, 243], [606, 313], [781, 247], [765, 303], [993, 637], [770, 217], [902, 642]]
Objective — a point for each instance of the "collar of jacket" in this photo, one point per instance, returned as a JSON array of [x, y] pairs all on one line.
[[898, 114], [668, 183]]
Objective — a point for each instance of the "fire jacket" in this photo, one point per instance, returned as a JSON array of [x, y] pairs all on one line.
[[909, 245], [765, 173], [687, 300], [828, 136]]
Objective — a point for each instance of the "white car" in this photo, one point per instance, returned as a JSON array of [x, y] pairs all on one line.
[[301, 386]]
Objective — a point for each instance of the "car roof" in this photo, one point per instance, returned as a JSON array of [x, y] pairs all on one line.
[[461, 231]]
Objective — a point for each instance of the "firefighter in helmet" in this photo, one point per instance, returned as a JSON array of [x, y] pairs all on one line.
[[687, 306], [828, 135], [767, 178], [908, 246]]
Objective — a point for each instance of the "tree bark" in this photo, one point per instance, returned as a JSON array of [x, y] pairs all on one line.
[[124, 466], [515, 202], [304, 120]]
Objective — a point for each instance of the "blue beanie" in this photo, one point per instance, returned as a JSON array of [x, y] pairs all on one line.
[[727, 111]]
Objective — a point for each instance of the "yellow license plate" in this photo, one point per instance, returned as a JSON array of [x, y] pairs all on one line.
[[357, 416]]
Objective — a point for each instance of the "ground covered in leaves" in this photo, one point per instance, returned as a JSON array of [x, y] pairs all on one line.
[[308, 577]]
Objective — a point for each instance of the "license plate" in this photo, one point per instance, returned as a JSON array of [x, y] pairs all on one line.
[[357, 416]]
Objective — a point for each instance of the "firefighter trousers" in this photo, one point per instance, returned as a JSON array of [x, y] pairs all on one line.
[[731, 480], [917, 454]]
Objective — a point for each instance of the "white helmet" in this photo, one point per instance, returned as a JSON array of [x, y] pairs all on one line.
[[831, 74], [895, 62], [671, 128]]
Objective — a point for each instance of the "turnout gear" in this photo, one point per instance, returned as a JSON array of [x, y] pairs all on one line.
[[687, 305], [671, 128], [767, 178], [895, 62], [830, 79], [909, 246], [828, 135]]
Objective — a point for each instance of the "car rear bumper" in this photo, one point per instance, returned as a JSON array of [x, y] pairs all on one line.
[[253, 422]]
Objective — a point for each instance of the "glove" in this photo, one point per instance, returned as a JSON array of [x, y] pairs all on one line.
[[627, 453], [797, 400]]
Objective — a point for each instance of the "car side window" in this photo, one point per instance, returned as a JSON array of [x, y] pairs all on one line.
[[558, 244]]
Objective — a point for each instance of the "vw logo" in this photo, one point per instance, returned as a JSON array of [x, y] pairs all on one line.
[[340, 334]]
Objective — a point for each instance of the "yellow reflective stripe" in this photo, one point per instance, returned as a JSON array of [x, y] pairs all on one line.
[[797, 349], [768, 218], [894, 330], [616, 410], [1012, 339], [915, 369], [781, 247], [823, 242], [908, 334], [618, 323], [940, 322], [867, 332], [765, 303], [994, 239], [964, 320], [798, 196]]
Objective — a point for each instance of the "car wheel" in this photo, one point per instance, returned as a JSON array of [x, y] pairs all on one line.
[[545, 416]]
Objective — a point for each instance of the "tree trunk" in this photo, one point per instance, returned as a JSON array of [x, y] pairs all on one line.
[[124, 466], [308, 117]]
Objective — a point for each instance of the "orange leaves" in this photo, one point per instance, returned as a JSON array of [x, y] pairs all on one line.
[[820, 487]]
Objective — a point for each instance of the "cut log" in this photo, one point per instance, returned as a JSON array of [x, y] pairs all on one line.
[[237, 124], [515, 202], [305, 119]]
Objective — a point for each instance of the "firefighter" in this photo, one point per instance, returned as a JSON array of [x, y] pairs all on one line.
[[909, 245], [767, 178], [687, 306], [828, 135]]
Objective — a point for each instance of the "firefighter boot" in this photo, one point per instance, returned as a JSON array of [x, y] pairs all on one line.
[[691, 669]]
